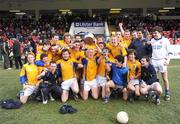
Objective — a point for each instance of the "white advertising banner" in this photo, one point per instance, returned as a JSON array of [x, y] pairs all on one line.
[[92, 27], [175, 51]]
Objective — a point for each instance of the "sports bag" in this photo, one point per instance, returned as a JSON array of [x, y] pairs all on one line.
[[10, 104]]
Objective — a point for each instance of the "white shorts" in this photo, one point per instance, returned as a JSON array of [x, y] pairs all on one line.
[[154, 85], [67, 83], [88, 85], [28, 90], [134, 81], [101, 80], [151, 87], [159, 65]]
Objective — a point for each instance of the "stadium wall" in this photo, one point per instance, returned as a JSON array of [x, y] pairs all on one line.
[[85, 4]]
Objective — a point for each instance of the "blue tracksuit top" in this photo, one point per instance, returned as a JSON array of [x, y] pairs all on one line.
[[118, 74]]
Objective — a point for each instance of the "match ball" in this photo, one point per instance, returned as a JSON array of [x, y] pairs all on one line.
[[122, 117]]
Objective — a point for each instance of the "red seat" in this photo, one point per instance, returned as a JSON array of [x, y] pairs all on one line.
[[171, 40], [177, 42]]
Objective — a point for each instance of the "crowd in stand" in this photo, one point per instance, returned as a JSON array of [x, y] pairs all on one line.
[[27, 29], [30, 33]]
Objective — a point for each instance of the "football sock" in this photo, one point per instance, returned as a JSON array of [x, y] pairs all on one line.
[[167, 92]]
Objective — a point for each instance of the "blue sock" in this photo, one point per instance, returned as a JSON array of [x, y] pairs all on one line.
[[167, 92], [157, 97], [106, 97]]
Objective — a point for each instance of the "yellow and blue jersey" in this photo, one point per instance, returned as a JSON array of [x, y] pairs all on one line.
[[116, 50], [134, 69], [126, 42], [67, 68], [49, 53], [28, 74], [41, 65], [90, 68], [101, 70], [77, 55]]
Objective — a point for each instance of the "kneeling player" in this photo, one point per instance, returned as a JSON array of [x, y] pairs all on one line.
[[134, 75], [89, 75], [149, 80], [119, 78], [67, 68], [50, 84], [101, 71], [28, 77]]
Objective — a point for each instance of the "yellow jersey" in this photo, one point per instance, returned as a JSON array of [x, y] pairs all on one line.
[[92, 46], [67, 68], [28, 74], [127, 42], [101, 70], [38, 55], [90, 69], [134, 69], [116, 50], [77, 55]]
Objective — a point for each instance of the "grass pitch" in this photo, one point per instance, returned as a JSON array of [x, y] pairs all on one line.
[[91, 111]]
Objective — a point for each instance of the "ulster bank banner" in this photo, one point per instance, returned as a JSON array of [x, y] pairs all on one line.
[[88, 24], [92, 27]]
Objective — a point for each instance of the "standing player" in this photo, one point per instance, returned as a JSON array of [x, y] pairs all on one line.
[[126, 36], [28, 77], [44, 49], [43, 63], [149, 80], [76, 52], [134, 35], [160, 56], [116, 49], [140, 45]]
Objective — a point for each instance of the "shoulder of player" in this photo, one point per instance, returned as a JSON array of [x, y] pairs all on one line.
[[166, 39], [59, 61], [137, 62], [25, 65], [72, 60], [128, 62], [126, 68], [108, 45], [28, 65], [151, 67]]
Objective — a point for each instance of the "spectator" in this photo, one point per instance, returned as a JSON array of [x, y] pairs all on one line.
[[17, 54], [5, 53]]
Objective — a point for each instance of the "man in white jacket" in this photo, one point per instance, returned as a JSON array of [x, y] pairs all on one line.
[[160, 56]]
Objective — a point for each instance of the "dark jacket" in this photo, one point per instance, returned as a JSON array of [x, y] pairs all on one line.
[[141, 47], [52, 78], [16, 49], [148, 74], [4, 47]]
